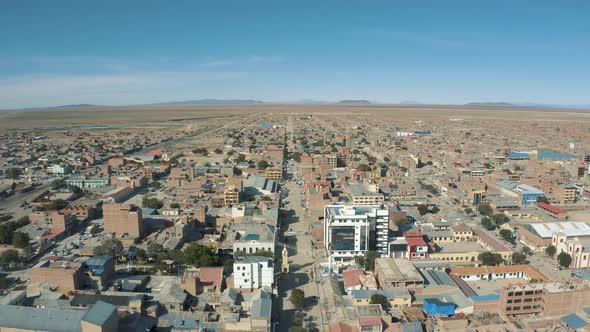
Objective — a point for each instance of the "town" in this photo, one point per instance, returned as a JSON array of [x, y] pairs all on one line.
[[298, 218]]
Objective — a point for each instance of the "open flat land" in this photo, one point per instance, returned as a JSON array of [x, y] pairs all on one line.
[[171, 115]]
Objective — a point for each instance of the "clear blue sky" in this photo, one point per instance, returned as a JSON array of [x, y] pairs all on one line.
[[129, 52]]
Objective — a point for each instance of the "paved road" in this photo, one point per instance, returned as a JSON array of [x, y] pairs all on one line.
[[301, 260], [12, 204]]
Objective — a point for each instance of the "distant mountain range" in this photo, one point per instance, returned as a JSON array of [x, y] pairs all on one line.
[[354, 101], [213, 102], [323, 102]]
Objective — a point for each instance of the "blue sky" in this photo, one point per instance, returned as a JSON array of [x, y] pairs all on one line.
[[129, 52]]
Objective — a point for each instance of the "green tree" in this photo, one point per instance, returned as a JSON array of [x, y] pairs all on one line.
[[360, 261], [364, 168], [175, 206], [435, 209], [490, 258], [519, 258], [296, 156], [58, 204], [241, 158], [298, 319], [152, 203], [199, 255], [542, 199], [109, 247], [371, 256], [8, 256], [379, 299], [485, 209], [500, 218], [297, 298], [402, 222], [551, 250], [218, 151], [527, 251], [488, 224], [564, 259], [469, 211], [262, 164], [297, 329], [20, 240], [422, 209], [3, 282], [154, 249], [58, 184], [141, 255], [507, 235], [13, 173]]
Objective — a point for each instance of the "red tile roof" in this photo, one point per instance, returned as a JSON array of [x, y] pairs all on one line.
[[551, 208], [370, 321], [415, 241], [352, 277]]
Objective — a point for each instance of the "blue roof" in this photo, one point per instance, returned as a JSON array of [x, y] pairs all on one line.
[[415, 326], [252, 237], [98, 260], [99, 313], [488, 297], [574, 321]]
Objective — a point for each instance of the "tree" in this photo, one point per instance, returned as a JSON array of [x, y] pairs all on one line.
[[141, 255], [241, 158], [542, 199], [379, 299], [154, 249], [485, 209], [262, 164], [435, 209], [551, 250], [76, 190], [20, 240], [13, 173], [218, 151], [500, 219], [564, 259], [519, 258], [527, 251], [402, 222], [3, 282], [199, 255], [422, 209], [364, 168], [152, 203], [360, 261], [297, 298], [488, 224], [298, 319], [58, 204], [296, 156], [8, 256], [23, 221], [58, 184], [297, 329], [469, 210], [371, 256], [490, 258], [175, 206], [507, 235], [109, 247]]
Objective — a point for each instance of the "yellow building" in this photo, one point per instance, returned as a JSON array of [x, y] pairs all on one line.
[[273, 173], [397, 297]]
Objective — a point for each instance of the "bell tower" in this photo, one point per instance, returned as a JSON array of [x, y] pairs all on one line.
[[285, 261]]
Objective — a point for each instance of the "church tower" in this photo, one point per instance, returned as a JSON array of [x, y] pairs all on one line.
[[285, 262]]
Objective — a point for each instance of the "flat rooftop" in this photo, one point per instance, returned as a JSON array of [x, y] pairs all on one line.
[[453, 247], [546, 230]]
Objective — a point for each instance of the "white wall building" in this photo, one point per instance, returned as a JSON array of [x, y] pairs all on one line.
[[60, 169], [253, 272], [350, 230]]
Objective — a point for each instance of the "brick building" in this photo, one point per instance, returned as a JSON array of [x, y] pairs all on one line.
[[123, 219]]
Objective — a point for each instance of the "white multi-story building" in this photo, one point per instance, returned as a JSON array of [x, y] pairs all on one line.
[[253, 272], [351, 231], [60, 169], [577, 248]]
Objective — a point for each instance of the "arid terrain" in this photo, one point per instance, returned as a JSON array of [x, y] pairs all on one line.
[[186, 114]]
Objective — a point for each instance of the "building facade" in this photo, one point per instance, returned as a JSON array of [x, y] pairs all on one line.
[[253, 272], [351, 231]]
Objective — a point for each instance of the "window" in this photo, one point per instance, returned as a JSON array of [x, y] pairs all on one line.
[[528, 300], [516, 308], [509, 301], [517, 300], [518, 293], [528, 293], [526, 307]]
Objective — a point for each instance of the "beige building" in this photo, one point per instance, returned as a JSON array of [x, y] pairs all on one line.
[[123, 219]]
